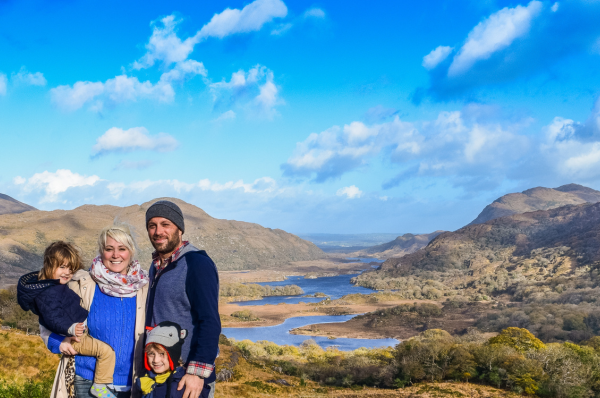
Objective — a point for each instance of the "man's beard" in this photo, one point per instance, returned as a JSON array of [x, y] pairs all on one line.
[[173, 242]]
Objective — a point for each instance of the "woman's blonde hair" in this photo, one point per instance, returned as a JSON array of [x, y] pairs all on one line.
[[121, 234], [57, 254]]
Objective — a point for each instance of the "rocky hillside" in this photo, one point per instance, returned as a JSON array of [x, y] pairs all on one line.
[[546, 247], [537, 199], [401, 246], [234, 245], [10, 205], [575, 230]]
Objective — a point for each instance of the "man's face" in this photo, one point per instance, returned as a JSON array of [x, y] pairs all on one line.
[[164, 235]]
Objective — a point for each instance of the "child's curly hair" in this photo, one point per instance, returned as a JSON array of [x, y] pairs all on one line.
[[57, 254]]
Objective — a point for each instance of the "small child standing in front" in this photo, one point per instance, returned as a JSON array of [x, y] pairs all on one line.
[[162, 357], [47, 295]]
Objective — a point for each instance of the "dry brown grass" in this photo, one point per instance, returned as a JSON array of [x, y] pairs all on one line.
[[23, 357]]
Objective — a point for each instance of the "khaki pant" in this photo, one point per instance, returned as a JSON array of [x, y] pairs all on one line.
[[104, 354]]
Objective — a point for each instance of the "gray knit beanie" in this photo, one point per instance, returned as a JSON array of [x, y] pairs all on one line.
[[168, 210]]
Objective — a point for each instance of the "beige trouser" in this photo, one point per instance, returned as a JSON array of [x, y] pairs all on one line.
[[105, 357]]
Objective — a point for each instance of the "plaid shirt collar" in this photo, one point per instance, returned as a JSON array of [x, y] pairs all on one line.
[[160, 265]]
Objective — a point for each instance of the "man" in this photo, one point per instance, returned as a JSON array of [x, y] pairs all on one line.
[[184, 288]]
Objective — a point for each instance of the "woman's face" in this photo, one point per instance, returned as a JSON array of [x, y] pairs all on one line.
[[116, 256]]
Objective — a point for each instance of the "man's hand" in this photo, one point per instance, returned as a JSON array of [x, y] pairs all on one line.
[[79, 329], [66, 348], [193, 386]]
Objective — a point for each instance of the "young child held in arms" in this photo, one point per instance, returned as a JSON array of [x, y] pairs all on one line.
[[47, 295], [162, 358]]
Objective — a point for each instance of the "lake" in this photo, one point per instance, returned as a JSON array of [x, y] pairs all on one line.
[[335, 287], [279, 334]]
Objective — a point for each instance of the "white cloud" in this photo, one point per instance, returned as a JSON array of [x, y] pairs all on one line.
[[314, 13], [436, 56], [3, 82], [281, 29], [228, 115], [250, 18], [27, 78], [71, 98], [53, 184], [264, 184], [114, 91], [184, 70], [337, 150], [165, 46], [572, 149], [554, 7], [255, 87], [260, 186], [117, 139], [351, 192], [496, 32], [456, 143]]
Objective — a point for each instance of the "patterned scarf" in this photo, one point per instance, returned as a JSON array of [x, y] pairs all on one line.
[[118, 285]]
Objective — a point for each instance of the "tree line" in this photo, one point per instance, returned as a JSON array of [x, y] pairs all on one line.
[[514, 360]]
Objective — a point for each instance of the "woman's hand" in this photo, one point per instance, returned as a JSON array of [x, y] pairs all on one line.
[[66, 348]]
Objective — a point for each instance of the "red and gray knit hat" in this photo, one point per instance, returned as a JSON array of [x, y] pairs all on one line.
[[168, 335]]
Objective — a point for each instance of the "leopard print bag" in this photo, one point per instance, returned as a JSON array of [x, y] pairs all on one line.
[[70, 377]]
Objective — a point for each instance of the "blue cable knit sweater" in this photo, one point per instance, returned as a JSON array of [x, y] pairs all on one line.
[[111, 320]]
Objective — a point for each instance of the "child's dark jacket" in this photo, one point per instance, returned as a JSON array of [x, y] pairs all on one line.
[[57, 306], [160, 390]]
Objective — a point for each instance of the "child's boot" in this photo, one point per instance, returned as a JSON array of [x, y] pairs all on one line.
[[101, 391]]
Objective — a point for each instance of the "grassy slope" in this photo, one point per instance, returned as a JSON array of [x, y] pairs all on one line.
[[25, 357], [252, 380]]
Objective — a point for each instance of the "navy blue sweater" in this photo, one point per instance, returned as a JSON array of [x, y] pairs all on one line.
[[57, 306], [187, 292]]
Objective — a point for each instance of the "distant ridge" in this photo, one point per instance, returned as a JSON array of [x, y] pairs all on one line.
[[401, 246], [234, 245], [10, 205], [538, 198]]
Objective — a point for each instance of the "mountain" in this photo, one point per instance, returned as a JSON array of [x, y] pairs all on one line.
[[233, 245], [10, 205], [402, 245], [537, 199], [536, 246]]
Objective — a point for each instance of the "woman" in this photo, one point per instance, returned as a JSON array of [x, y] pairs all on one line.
[[114, 292]]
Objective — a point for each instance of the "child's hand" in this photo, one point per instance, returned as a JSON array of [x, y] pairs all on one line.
[[79, 329]]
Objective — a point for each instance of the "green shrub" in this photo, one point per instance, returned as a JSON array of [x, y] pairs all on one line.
[[30, 389]]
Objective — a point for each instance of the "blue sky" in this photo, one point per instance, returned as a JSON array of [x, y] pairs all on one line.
[[340, 117]]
